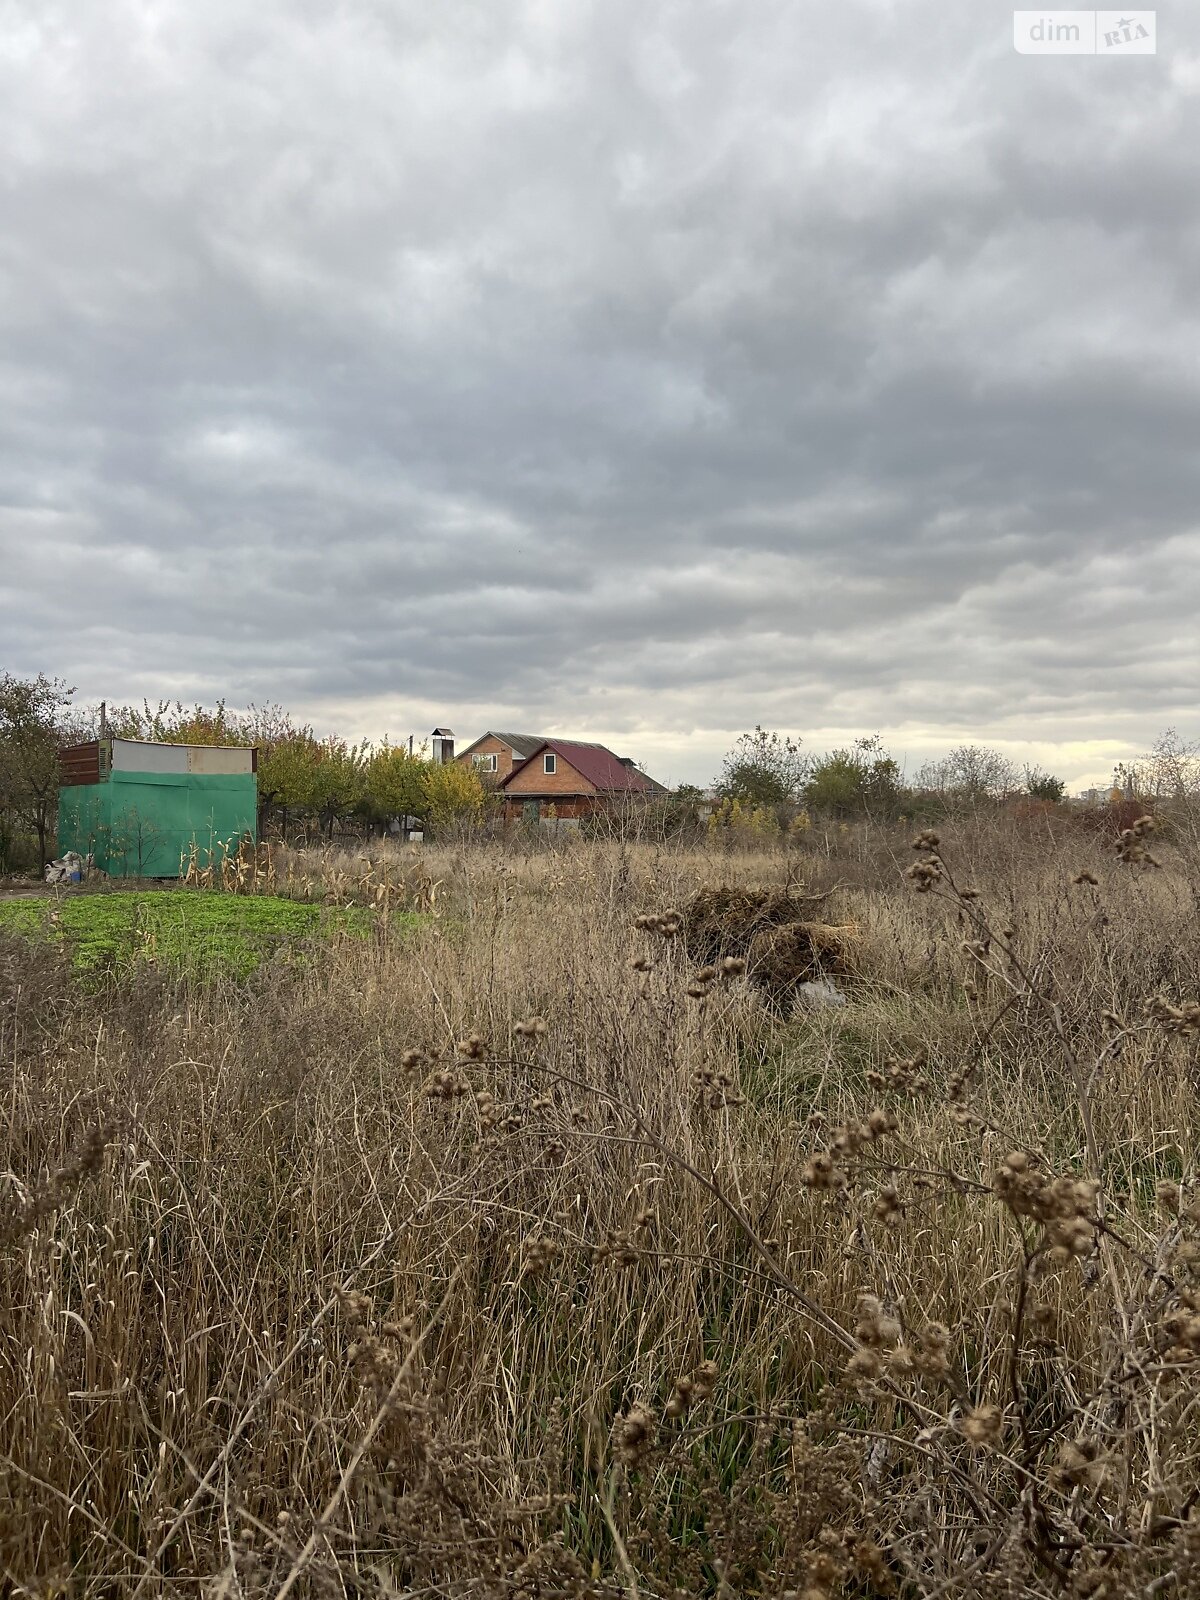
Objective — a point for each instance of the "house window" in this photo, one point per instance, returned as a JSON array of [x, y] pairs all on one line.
[[549, 763], [486, 763]]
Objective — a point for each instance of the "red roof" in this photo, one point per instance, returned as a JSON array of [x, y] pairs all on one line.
[[606, 772]]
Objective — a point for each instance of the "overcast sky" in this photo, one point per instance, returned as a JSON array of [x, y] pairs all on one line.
[[633, 369]]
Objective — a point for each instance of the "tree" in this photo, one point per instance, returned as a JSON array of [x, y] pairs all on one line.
[[34, 727], [863, 780], [171, 722], [395, 783], [339, 781], [763, 769], [453, 793], [287, 772], [1172, 769], [968, 775], [1041, 785]]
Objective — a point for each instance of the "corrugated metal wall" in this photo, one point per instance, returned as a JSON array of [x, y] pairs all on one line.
[[80, 764]]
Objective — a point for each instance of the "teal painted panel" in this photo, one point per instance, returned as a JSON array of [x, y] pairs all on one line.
[[83, 820], [147, 826], [151, 780], [154, 819], [143, 825]]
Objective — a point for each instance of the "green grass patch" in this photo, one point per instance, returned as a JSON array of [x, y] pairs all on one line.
[[195, 931], [25, 918]]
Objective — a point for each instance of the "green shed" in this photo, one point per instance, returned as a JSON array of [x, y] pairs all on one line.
[[138, 809]]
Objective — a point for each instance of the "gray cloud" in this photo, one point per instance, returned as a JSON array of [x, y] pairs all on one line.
[[640, 370]]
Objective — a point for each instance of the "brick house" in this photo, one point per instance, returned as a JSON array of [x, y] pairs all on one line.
[[494, 755], [567, 779]]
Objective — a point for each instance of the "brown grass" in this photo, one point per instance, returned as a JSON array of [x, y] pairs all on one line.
[[340, 1283]]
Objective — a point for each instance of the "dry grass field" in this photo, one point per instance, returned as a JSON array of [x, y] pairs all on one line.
[[522, 1256]]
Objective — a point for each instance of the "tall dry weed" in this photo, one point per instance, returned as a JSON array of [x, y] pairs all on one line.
[[527, 1257]]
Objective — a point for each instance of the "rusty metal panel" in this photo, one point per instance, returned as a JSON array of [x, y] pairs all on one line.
[[220, 760], [79, 765], [133, 755]]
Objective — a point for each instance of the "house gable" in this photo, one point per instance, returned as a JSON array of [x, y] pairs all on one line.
[[494, 755], [603, 771], [531, 777]]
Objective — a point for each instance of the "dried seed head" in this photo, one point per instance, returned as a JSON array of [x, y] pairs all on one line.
[[1064, 1206], [634, 1435], [447, 1085], [875, 1329], [538, 1252], [982, 1426], [715, 1090], [489, 1113], [1080, 1463], [532, 1030], [931, 1356], [356, 1306], [1130, 846], [901, 1359], [1042, 1322], [870, 1561], [1183, 1020], [865, 1364], [692, 1389], [924, 874], [820, 1172], [618, 1250], [904, 1073]]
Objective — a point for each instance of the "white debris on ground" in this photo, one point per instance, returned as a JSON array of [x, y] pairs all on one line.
[[819, 994], [70, 868]]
